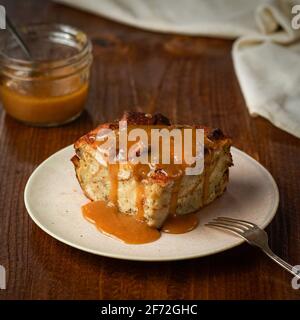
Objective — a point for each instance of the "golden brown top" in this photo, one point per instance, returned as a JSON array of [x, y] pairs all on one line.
[[213, 139], [215, 136]]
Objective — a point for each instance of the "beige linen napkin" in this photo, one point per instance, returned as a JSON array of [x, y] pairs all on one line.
[[266, 56], [268, 66]]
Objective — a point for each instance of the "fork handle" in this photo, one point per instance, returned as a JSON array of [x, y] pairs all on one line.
[[281, 262]]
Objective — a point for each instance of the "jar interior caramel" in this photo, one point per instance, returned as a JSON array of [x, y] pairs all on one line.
[[52, 88]]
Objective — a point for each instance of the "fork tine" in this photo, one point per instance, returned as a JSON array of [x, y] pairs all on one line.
[[244, 222], [226, 227], [238, 225], [237, 228]]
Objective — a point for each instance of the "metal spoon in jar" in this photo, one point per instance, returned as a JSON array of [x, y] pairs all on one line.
[[18, 38]]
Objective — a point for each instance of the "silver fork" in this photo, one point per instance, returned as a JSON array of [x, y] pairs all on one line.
[[253, 235]]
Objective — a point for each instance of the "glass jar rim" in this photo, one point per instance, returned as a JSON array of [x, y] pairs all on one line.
[[84, 52]]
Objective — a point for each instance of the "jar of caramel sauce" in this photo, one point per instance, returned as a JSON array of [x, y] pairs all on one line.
[[52, 87]]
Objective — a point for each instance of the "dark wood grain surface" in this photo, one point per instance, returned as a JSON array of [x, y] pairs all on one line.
[[190, 80]]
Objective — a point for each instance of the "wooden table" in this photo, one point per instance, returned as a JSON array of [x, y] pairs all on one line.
[[189, 80]]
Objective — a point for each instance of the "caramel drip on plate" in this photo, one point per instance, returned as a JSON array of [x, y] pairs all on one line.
[[113, 176], [130, 230], [180, 223], [113, 223]]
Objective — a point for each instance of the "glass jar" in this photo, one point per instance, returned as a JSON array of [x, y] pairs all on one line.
[[51, 88]]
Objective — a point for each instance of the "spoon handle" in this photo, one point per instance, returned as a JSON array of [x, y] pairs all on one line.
[[18, 38]]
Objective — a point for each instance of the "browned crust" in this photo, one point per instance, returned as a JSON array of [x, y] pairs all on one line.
[[75, 160], [141, 118], [214, 138]]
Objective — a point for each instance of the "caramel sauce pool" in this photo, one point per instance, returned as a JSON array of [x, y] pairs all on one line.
[[124, 227], [180, 224], [130, 230]]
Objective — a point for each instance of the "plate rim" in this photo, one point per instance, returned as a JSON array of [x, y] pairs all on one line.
[[272, 214]]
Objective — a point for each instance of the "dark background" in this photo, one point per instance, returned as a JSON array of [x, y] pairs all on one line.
[[189, 79]]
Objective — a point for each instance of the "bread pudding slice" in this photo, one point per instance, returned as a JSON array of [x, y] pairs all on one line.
[[154, 196]]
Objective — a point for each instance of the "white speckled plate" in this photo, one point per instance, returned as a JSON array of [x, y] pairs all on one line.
[[53, 199]]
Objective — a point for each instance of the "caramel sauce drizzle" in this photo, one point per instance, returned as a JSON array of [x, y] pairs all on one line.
[[134, 229], [174, 196], [140, 171], [114, 183], [140, 197]]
